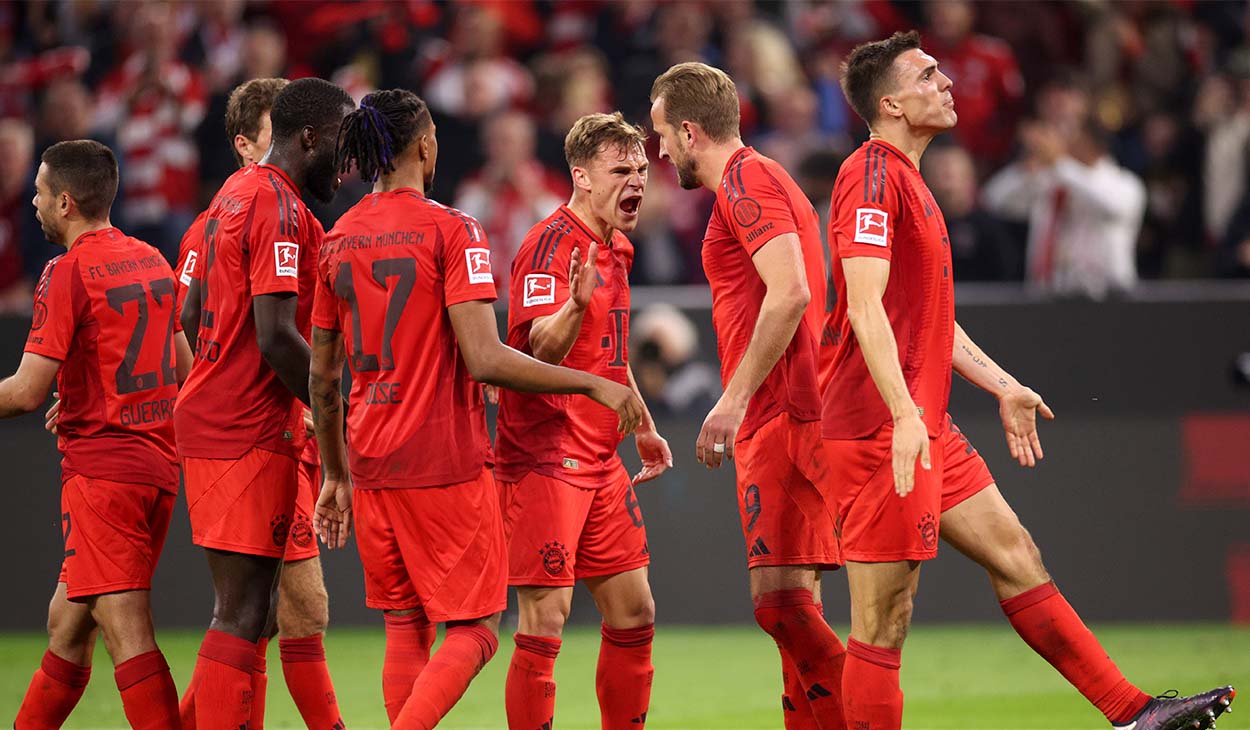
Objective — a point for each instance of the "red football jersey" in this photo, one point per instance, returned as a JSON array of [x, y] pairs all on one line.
[[389, 270], [106, 310], [756, 202], [188, 267], [565, 436], [259, 238], [882, 208]]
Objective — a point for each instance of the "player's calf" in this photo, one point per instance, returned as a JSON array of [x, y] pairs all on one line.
[[809, 646], [468, 646], [303, 604], [63, 673], [409, 637], [149, 697], [530, 689]]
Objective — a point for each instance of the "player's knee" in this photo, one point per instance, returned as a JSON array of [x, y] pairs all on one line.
[[546, 620], [304, 612], [888, 627], [630, 614], [1021, 562]]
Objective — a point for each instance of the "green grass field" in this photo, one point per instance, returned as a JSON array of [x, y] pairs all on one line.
[[726, 678]]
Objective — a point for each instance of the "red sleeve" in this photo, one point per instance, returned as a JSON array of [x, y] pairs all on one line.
[[325, 313], [58, 310], [759, 209], [539, 289], [466, 262], [861, 222], [188, 268], [273, 244]]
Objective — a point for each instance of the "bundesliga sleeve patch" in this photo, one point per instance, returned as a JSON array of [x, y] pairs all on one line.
[[478, 262], [870, 226], [188, 268], [540, 289], [286, 259]]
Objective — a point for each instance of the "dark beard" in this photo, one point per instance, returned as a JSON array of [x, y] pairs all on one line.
[[52, 236], [688, 175], [321, 176]]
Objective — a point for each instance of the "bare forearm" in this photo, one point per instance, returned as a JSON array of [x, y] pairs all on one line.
[[327, 411], [774, 329], [647, 424], [508, 368], [552, 337], [973, 365], [876, 340], [288, 354], [17, 400]]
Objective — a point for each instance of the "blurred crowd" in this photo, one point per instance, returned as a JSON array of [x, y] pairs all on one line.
[[1098, 142]]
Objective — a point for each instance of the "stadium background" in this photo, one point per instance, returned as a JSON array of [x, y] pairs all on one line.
[[1142, 506]]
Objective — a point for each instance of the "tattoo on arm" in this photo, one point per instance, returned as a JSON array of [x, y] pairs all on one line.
[[976, 359]]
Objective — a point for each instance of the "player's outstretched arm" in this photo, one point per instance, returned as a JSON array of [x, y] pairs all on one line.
[[780, 264], [1018, 405], [26, 390], [866, 277], [552, 337], [182, 357], [280, 342], [332, 517], [494, 363], [653, 449], [190, 319]]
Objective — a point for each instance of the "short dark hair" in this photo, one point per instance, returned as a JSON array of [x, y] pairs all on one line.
[[87, 170], [868, 72], [247, 104], [374, 135], [699, 93], [309, 102]]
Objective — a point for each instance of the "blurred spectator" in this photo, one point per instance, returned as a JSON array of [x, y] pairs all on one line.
[[155, 102], [982, 247], [1234, 252], [816, 173], [795, 131], [512, 191], [476, 37], [1084, 210], [17, 149], [571, 84], [988, 87], [664, 352], [1228, 139], [1063, 102]]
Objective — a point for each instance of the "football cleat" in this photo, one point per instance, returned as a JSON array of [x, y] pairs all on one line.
[[1172, 712]]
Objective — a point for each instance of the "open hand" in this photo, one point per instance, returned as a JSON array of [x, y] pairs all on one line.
[[655, 454], [332, 517], [1018, 408]]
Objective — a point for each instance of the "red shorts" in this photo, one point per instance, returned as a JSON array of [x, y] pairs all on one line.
[[558, 533], [786, 505], [878, 526], [301, 543], [243, 505], [437, 548], [114, 532]]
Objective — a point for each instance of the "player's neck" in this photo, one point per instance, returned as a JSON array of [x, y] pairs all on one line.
[[910, 142], [291, 164], [712, 165], [400, 179], [77, 229], [581, 208]]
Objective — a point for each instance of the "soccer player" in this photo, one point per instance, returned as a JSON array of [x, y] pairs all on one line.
[[890, 344], [569, 507], [304, 609], [234, 417], [763, 257], [404, 291], [105, 327]]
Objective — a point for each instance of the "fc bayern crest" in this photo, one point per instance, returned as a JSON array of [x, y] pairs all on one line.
[[746, 212], [555, 556], [928, 530]]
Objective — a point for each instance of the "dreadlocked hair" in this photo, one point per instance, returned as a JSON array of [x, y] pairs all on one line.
[[377, 133]]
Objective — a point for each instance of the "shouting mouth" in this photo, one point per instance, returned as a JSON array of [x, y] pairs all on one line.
[[629, 205]]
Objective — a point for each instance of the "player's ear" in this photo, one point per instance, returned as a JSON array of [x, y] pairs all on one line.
[[241, 144], [308, 138], [690, 131], [581, 179]]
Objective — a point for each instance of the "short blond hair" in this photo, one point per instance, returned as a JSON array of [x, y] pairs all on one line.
[[593, 131], [699, 93], [249, 102]]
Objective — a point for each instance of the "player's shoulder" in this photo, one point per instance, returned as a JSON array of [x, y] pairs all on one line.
[[546, 239]]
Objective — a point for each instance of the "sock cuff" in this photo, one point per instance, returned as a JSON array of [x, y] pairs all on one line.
[[230, 650], [785, 598], [261, 665], [65, 671], [136, 669], [880, 656], [1031, 597], [484, 637], [637, 636], [546, 646], [306, 649], [417, 618]]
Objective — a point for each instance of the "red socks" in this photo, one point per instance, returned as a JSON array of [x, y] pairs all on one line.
[[223, 682], [623, 677], [148, 694], [55, 689], [260, 684], [791, 618], [530, 691], [796, 709], [408, 642], [1051, 628], [873, 699], [308, 681], [464, 652]]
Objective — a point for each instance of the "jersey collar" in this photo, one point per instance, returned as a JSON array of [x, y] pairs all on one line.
[[568, 212], [735, 158], [279, 172], [891, 148], [111, 232]]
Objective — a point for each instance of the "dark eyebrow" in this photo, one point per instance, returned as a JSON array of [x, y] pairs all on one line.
[[928, 69]]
